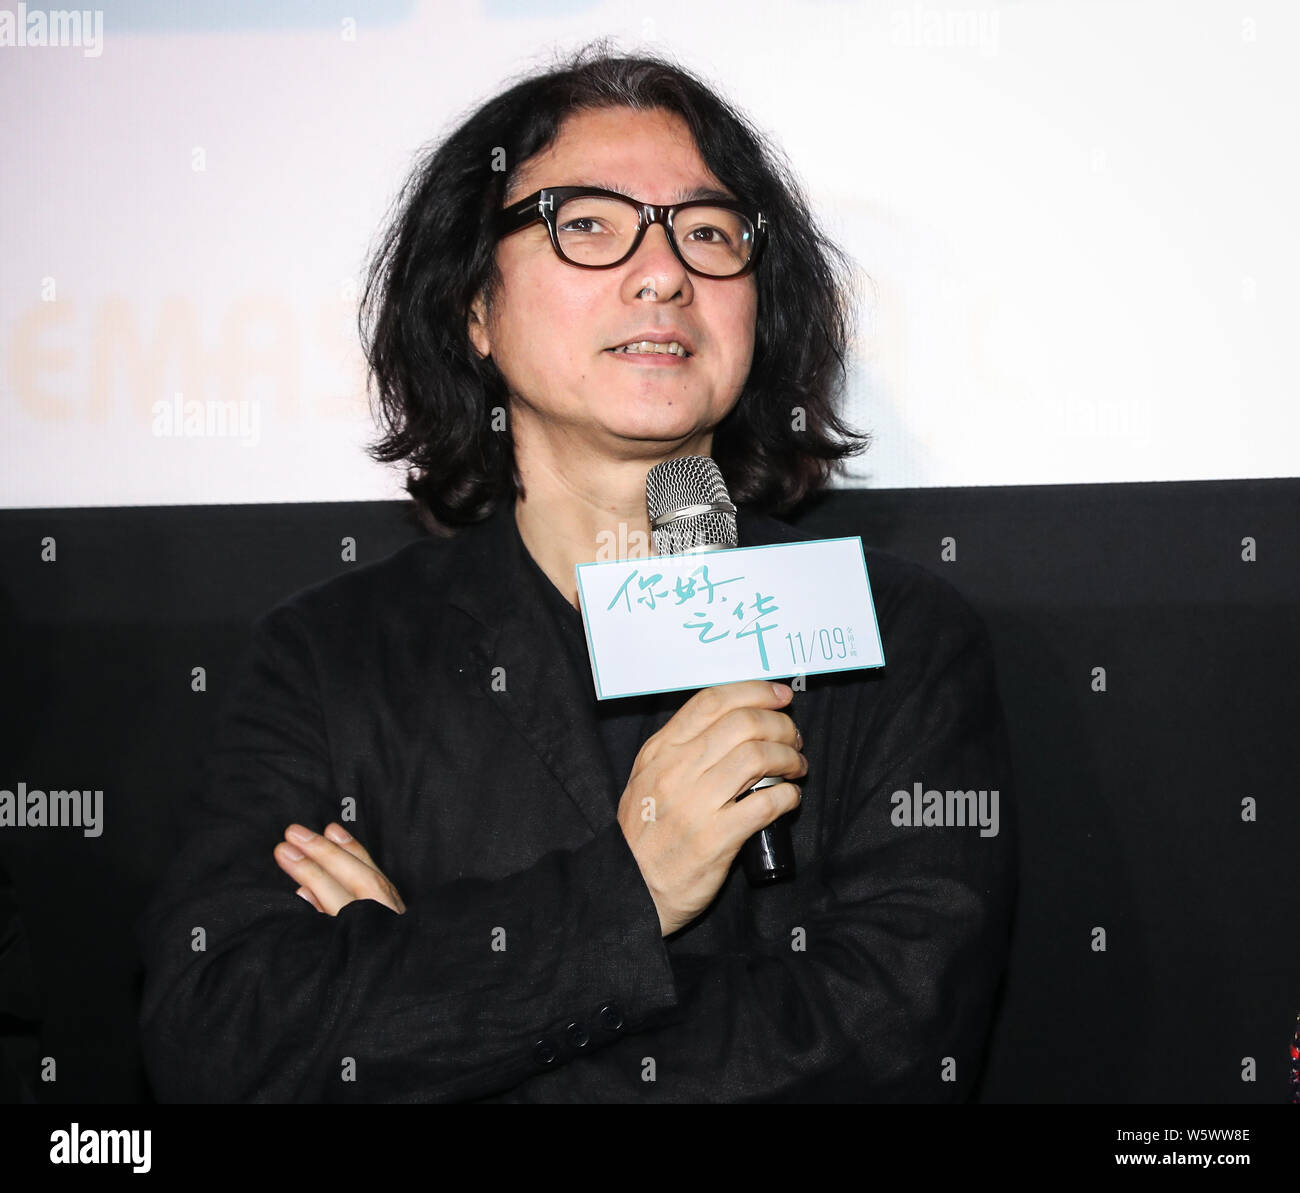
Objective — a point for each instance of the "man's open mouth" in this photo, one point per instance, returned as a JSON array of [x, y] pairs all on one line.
[[650, 347]]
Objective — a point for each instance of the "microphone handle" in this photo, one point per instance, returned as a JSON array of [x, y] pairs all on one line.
[[768, 856]]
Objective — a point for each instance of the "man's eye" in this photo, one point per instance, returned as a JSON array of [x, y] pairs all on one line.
[[586, 219], [718, 232]]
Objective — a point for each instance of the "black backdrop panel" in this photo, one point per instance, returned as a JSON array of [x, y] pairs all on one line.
[[1130, 800]]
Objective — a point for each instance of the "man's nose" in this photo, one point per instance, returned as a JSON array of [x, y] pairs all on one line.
[[654, 256]]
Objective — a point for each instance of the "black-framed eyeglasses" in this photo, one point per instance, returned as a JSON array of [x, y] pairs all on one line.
[[598, 229]]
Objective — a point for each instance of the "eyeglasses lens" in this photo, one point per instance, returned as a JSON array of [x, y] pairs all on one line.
[[595, 230]]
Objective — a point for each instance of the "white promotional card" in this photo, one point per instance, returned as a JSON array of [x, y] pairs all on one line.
[[669, 622]]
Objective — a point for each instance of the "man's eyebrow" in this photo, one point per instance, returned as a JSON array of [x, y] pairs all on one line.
[[685, 195]]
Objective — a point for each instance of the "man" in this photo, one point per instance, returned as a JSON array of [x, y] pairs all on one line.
[[514, 927]]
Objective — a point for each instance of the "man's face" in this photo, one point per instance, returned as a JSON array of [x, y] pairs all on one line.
[[553, 325]]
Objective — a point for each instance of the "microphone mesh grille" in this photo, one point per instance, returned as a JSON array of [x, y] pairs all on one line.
[[684, 481]]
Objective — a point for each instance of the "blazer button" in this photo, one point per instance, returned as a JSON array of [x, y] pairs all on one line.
[[544, 1051], [611, 1017], [578, 1035]]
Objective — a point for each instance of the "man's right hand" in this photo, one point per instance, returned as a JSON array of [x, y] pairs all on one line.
[[679, 811]]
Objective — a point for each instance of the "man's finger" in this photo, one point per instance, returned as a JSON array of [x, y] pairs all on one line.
[[359, 878], [351, 864], [710, 705], [345, 840], [332, 895]]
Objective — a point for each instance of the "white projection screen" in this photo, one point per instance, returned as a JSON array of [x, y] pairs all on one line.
[[1074, 224]]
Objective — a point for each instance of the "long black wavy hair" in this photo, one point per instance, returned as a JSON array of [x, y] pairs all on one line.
[[435, 397]]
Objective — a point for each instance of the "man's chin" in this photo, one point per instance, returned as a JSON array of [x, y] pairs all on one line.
[[644, 442]]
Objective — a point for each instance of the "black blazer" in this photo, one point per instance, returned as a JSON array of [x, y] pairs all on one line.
[[529, 964]]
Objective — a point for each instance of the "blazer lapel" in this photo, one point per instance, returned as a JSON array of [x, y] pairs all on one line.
[[541, 697]]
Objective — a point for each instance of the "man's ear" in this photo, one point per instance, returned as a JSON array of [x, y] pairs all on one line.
[[477, 327]]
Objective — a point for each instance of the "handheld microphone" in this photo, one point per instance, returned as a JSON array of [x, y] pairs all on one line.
[[691, 511]]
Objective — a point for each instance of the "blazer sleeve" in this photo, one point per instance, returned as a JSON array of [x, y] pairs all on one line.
[[251, 994], [890, 995]]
